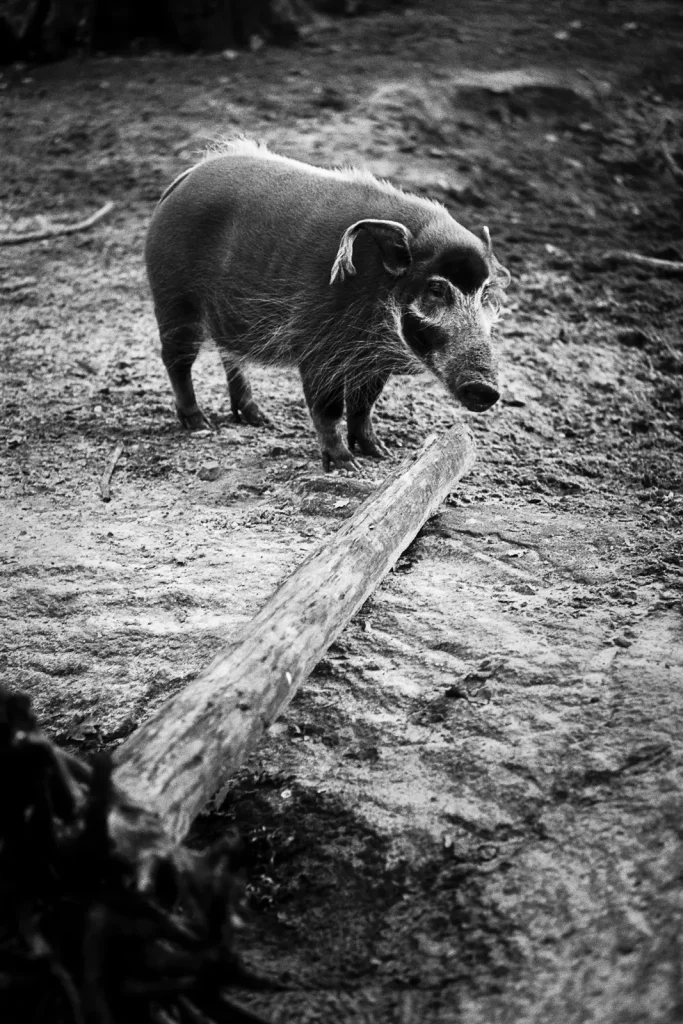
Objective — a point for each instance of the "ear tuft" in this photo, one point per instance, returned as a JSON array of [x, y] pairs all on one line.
[[500, 274], [343, 263], [392, 238]]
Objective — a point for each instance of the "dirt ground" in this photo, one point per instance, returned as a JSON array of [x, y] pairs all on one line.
[[473, 810]]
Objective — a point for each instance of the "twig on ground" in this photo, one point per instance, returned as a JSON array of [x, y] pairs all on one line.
[[105, 479], [18, 284], [624, 256], [670, 161], [58, 229]]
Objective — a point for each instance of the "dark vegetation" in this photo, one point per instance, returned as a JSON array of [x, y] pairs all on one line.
[[38, 30]]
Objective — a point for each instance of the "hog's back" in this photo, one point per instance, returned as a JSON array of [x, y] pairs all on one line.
[[257, 225]]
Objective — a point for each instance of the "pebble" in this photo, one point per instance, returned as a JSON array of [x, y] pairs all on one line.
[[209, 471]]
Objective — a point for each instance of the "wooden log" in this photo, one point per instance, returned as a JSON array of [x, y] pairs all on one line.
[[185, 754]]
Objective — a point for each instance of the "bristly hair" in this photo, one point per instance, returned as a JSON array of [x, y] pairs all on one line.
[[243, 145], [280, 330]]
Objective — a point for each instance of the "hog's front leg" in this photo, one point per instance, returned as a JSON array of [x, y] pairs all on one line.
[[326, 404], [360, 399]]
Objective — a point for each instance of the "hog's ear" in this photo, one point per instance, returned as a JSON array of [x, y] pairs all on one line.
[[500, 275], [392, 238]]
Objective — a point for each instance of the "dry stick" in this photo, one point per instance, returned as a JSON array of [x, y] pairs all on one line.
[[58, 229], [624, 256], [16, 285], [177, 761], [105, 479], [670, 161]]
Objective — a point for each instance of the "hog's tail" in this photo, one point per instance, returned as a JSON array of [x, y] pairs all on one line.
[[174, 184]]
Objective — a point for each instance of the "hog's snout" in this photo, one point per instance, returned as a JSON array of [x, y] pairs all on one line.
[[477, 397]]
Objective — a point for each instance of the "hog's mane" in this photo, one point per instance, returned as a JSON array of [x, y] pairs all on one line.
[[244, 146]]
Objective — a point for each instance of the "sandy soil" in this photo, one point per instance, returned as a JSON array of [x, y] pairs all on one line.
[[472, 812]]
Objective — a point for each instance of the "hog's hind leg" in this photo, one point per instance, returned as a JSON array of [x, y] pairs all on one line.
[[326, 405], [180, 331], [360, 400], [242, 401]]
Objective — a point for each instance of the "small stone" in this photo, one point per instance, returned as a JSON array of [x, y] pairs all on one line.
[[367, 753], [209, 471], [477, 677], [466, 193], [332, 98]]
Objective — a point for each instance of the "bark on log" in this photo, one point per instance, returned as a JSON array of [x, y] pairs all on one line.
[[185, 754]]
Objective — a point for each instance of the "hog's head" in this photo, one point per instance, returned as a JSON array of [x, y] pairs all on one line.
[[445, 294]]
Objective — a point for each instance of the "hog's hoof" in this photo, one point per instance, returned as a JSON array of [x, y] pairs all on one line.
[[251, 414], [371, 447], [194, 419], [340, 458]]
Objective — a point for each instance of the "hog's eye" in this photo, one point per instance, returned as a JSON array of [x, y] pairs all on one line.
[[438, 288]]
